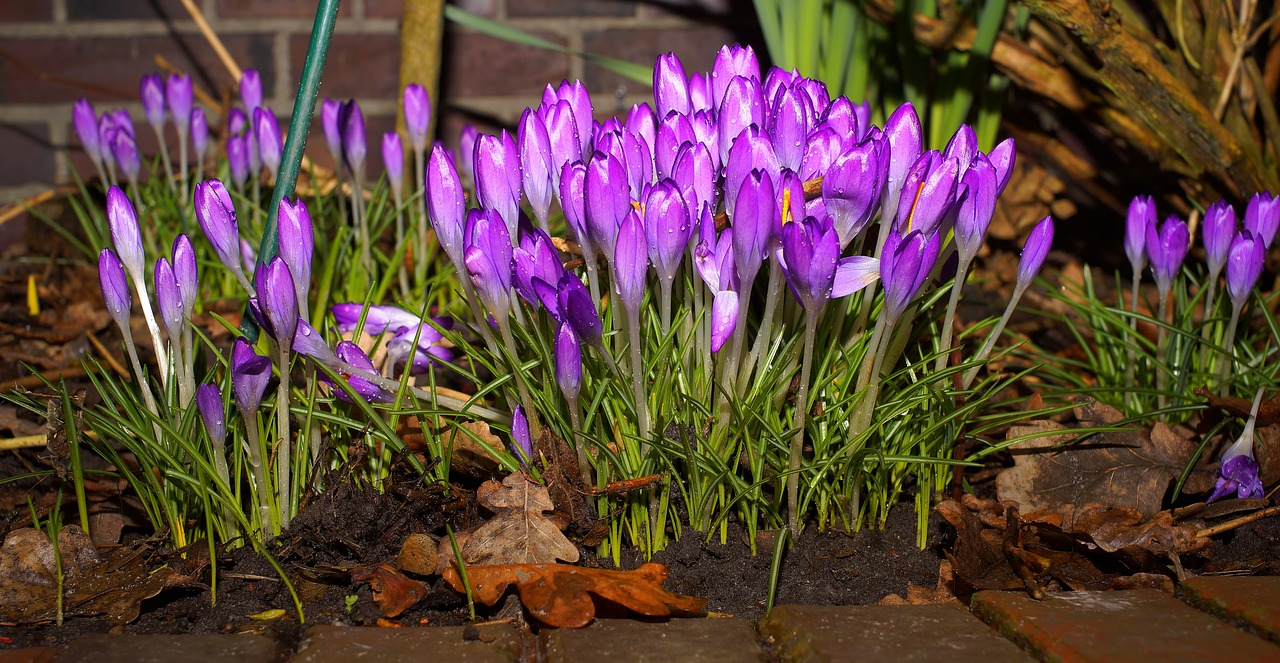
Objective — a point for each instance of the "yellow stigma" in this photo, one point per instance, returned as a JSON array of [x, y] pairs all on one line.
[[911, 218], [786, 206], [635, 205]]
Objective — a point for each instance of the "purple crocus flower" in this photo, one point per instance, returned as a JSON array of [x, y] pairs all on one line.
[[700, 93], [497, 161], [270, 144], [124, 150], [753, 224], [467, 151], [86, 123], [106, 132], [352, 355], [185, 272], [417, 115], [1002, 158], [251, 89], [670, 85], [428, 351], [180, 97], [811, 262], [296, 243], [217, 217], [1239, 471], [168, 299], [642, 123], [238, 160], [580, 100], [278, 299], [330, 111], [115, 287], [630, 262], [445, 204], [250, 373], [562, 133], [852, 187], [928, 193], [695, 175], [199, 128], [822, 148], [488, 260], [579, 310], [573, 186], [674, 132], [1141, 217], [568, 356], [962, 147], [667, 228], [607, 200], [123, 121], [730, 62], [789, 125], [976, 208], [1262, 217], [536, 164], [393, 162], [1166, 250], [639, 162], [209, 402], [125, 234], [752, 150], [237, 123], [742, 106], [153, 101], [309, 343], [815, 92], [906, 141], [841, 118], [521, 444], [905, 264], [1036, 250], [377, 319], [714, 261], [1244, 266], [354, 145], [1218, 230], [536, 258]]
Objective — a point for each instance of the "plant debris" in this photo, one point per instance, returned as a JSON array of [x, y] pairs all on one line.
[[519, 533]]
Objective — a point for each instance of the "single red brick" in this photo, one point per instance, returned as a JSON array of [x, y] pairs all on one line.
[[339, 644], [1137, 625], [571, 8], [28, 156], [477, 65], [203, 648], [698, 10], [721, 640], [1254, 602], [26, 10], [274, 9], [696, 46], [96, 10], [108, 68], [29, 655], [361, 67]]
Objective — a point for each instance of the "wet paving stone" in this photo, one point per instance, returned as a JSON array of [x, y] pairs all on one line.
[[1249, 601], [457, 644], [730, 640], [29, 655], [103, 648], [885, 633], [1137, 625]]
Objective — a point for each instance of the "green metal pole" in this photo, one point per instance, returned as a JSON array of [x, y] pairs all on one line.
[[299, 126]]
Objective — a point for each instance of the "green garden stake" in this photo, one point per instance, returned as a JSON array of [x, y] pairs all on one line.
[[296, 142]]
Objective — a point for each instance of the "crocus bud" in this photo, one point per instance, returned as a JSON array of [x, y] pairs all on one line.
[[270, 144], [309, 343], [296, 243], [667, 228], [417, 115], [1262, 217], [168, 299], [250, 373], [1244, 266], [672, 134], [125, 152], [752, 150], [700, 98], [1166, 249], [904, 133], [123, 121], [639, 163], [86, 122], [852, 188], [641, 122], [521, 443], [1002, 158], [238, 160], [354, 356], [753, 220], [125, 234], [106, 132], [115, 287], [810, 250], [743, 105], [250, 90], [576, 94], [199, 129], [732, 61], [445, 204], [562, 132], [695, 175], [179, 95], [670, 85], [573, 182], [467, 151], [1142, 215], [1036, 250], [329, 112], [1239, 471], [354, 147], [962, 147], [248, 257], [789, 126], [278, 298], [568, 362], [579, 310], [976, 209], [536, 258], [1218, 230], [607, 200], [630, 261], [185, 273], [236, 122], [209, 402], [153, 100], [488, 260], [905, 264], [536, 160], [497, 158], [217, 217], [393, 162]]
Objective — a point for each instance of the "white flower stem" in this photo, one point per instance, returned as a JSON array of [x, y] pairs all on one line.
[[283, 452], [948, 322], [755, 358]]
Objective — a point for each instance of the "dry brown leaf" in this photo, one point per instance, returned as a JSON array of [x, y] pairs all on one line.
[[392, 591], [1117, 529], [467, 457], [559, 595], [113, 587], [519, 533], [418, 554], [1130, 469], [917, 595]]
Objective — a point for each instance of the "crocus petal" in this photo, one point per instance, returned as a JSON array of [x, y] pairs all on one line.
[[185, 272], [579, 310], [724, 318], [1166, 250], [853, 274], [1244, 266], [1218, 230], [393, 161], [1142, 215], [115, 287], [906, 141], [789, 125], [250, 373], [296, 242], [977, 207], [1002, 158], [670, 85], [607, 200], [630, 261], [278, 298], [535, 164], [742, 106], [270, 143], [209, 402], [417, 115], [1036, 250], [125, 234], [445, 204], [86, 123], [153, 100], [1262, 217], [568, 357], [329, 112], [852, 188], [667, 228]]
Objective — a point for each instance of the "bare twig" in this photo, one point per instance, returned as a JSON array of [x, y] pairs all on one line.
[[1237, 522], [214, 42]]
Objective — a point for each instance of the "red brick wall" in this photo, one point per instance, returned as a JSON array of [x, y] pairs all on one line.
[[53, 52]]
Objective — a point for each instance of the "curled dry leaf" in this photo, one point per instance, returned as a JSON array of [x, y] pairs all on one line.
[[559, 595], [917, 595], [392, 591], [418, 555], [518, 533]]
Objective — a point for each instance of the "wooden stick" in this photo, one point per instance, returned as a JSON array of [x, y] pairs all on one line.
[[1237, 522], [107, 356], [214, 41], [40, 378]]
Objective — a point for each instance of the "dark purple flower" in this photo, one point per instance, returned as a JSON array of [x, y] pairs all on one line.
[[928, 193], [607, 200], [789, 126], [815, 92], [1262, 217], [568, 356], [125, 234], [579, 310], [536, 164], [179, 95], [905, 264], [270, 144], [904, 134], [217, 217], [238, 160], [488, 259], [309, 343], [976, 208], [498, 183], [1239, 471], [639, 163], [351, 354], [250, 373], [86, 122], [209, 402], [153, 100], [445, 204], [630, 262], [576, 94], [1166, 249], [824, 145], [852, 187], [1141, 217], [670, 85], [1218, 230], [521, 443], [1035, 251], [296, 245], [354, 146], [642, 123], [841, 119], [278, 298], [106, 132], [667, 228], [330, 111], [393, 162], [428, 350], [1244, 266], [236, 122], [417, 115], [536, 258], [115, 287]]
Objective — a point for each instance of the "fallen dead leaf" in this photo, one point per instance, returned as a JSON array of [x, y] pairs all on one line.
[[467, 457], [559, 595], [113, 587], [917, 595], [518, 533], [418, 555], [1116, 529], [1129, 469], [393, 591]]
